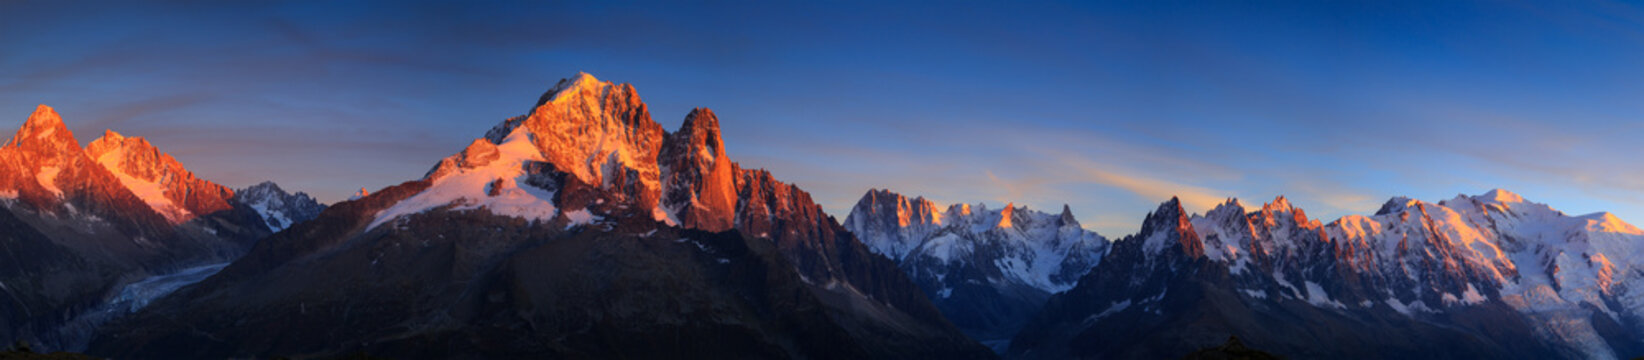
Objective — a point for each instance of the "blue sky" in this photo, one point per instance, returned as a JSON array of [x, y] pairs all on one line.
[[1110, 107]]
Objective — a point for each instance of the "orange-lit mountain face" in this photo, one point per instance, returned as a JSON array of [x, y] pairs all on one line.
[[157, 178], [82, 223], [47, 171], [51, 172]]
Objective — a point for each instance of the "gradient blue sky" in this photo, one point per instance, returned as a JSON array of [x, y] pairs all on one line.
[[1110, 107]]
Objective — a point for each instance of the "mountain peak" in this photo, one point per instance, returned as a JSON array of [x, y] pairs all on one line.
[[44, 115], [44, 127], [600, 132], [1067, 217], [568, 88], [1607, 222], [701, 129], [907, 212], [157, 178], [1169, 225], [1395, 204], [266, 185], [1231, 208], [1501, 196], [1169, 213], [700, 186], [1279, 204], [701, 119], [111, 141], [277, 208]]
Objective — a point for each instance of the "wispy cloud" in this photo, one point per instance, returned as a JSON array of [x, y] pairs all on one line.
[[1194, 198]]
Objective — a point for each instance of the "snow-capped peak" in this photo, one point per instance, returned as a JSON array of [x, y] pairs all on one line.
[[1230, 209], [893, 224], [1396, 204], [498, 184], [1169, 227], [278, 209], [1604, 221], [601, 133], [44, 132], [158, 179], [583, 84], [1279, 204], [1501, 196]]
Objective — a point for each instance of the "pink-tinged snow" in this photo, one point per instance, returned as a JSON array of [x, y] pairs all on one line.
[[1034, 246], [1557, 269], [911, 229], [1223, 243], [152, 193], [466, 189], [1553, 267], [48, 179]]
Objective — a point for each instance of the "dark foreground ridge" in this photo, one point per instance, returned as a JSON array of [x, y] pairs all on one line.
[[1232, 350]]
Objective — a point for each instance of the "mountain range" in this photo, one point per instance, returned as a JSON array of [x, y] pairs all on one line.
[[580, 229], [989, 271], [82, 223], [584, 229], [1491, 275]]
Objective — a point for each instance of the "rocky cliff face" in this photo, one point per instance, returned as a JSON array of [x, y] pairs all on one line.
[[563, 229], [700, 189], [1489, 275]]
